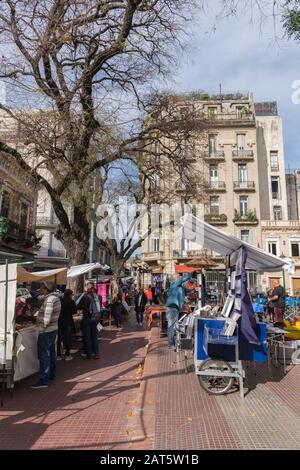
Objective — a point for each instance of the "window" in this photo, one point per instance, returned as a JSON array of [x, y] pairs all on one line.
[[273, 247], [245, 236], [295, 249], [212, 111], [243, 205], [274, 160], [277, 213], [155, 243], [213, 174], [242, 173], [23, 216], [5, 204], [212, 144], [275, 187], [241, 141], [214, 205]]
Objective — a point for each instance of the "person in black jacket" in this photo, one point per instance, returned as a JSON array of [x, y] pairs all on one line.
[[140, 304], [66, 324]]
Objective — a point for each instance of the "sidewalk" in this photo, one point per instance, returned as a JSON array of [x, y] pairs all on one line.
[[175, 413], [90, 404]]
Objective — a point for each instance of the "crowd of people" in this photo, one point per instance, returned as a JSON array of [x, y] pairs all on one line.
[[56, 326]]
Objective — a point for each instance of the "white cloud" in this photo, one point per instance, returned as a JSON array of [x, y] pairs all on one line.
[[247, 56]]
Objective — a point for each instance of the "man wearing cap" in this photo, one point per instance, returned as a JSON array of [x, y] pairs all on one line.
[[47, 322]]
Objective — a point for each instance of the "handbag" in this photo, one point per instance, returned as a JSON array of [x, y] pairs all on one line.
[[95, 314]]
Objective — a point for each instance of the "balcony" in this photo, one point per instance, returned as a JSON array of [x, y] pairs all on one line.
[[274, 167], [217, 186], [242, 154], [152, 255], [218, 155], [42, 221], [214, 219], [188, 254], [12, 232], [249, 218], [244, 186], [235, 117], [281, 224], [57, 253]]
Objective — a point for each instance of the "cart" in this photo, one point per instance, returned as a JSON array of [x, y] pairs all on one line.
[[218, 355]]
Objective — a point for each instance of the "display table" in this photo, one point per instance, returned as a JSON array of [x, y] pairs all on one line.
[[153, 310], [27, 362]]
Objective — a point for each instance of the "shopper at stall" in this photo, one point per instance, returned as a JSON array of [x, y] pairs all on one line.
[[140, 304], [278, 302], [116, 301], [66, 325], [47, 322], [149, 295], [174, 304], [90, 305]]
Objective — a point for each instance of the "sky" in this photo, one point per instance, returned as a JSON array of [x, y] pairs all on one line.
[[245, 54]]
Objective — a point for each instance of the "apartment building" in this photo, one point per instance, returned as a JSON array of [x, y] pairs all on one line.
[[17, 213], [243, 160]]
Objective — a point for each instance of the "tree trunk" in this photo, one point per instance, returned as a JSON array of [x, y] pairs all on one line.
[[76, 245]]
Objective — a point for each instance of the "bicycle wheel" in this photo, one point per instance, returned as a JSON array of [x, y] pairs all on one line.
[[215, 384]]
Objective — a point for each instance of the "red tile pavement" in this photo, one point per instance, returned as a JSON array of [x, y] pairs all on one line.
[[88, 407], [174, 412]]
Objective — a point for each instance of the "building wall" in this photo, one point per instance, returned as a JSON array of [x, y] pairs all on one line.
[[282, 234], [293, 194], [270, 140]]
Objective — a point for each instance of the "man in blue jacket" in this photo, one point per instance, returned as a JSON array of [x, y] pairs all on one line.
[[174, 304]]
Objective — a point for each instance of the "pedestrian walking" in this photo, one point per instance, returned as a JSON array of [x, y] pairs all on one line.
[[116, 301], [66, 325], [149, 295], [140, 304], [91, 313], [47, 323]]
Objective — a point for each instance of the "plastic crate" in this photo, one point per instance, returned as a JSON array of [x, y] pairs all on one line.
[[217, 336]]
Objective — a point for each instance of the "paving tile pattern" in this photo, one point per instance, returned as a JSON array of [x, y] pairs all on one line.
[[88, 406]]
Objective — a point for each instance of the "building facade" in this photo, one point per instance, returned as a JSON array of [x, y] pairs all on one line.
[[243, 160], [282, 238], [17, 212]]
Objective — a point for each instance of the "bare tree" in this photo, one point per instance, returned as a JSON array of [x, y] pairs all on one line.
[[75, 67]]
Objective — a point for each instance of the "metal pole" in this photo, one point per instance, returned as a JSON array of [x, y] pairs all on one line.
[[5, 330]]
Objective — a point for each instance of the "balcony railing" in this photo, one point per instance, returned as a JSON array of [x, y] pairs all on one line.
[[57, 253], [284, 224], [217, 186], [243, 154], [246, 117], [244, 185], [217, 155], [275, 196], [11, 231], [42, 221], [190, 253], [249, 218], [274, 167], [214, 219], [153, 255]]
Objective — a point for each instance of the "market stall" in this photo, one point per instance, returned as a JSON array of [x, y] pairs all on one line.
[[234, 335], [18, 341]]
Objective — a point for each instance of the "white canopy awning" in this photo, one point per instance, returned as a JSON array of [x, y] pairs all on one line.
[[59, 276], [75, 271], [214, 239]]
